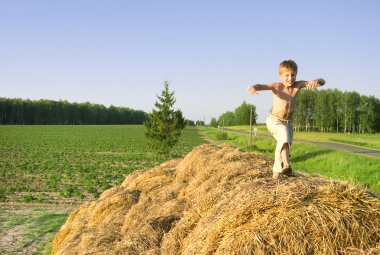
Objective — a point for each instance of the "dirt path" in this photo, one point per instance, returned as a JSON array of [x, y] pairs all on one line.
[[22, 226], [208, 139], [335, 146]]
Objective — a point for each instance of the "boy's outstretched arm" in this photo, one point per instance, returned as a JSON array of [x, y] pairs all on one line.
[[314, 83], [257, 87]]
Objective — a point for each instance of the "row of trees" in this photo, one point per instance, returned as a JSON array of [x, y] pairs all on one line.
[[336, 111], [240, 116], [48, 112]]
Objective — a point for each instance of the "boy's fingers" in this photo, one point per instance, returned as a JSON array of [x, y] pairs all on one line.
[[252, 90]]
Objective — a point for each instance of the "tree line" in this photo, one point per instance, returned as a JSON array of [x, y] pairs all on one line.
[[240, 116], [335, 111], [49, 112]]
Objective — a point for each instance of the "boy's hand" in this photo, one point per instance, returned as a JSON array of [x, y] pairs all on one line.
[[311, 84], [252, 89]]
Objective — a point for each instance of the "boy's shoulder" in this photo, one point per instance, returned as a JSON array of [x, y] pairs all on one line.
[[276, 85], [279, 86]]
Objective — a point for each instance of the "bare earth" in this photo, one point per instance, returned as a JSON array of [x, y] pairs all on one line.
[[16, 226]]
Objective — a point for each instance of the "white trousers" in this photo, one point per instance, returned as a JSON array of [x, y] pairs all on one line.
[[282, 131]]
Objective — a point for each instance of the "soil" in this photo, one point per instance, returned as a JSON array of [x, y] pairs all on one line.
[[15, 236]]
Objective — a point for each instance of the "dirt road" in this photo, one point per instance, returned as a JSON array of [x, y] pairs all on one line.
[[335, 146]]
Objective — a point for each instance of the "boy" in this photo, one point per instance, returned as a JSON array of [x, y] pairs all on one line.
[[280, 121]]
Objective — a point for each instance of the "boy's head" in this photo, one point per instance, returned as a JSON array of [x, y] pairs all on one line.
[[288, 72], [288, 65]]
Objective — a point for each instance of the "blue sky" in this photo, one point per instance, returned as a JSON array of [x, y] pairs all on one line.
[[120, 52]]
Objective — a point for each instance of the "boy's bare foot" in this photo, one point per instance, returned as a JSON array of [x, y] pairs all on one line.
[[287, 170], [276, 176]]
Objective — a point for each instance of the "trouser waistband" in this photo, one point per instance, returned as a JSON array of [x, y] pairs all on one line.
[[283, 120]]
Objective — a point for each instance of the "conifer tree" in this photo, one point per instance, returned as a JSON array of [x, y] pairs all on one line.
[[164, 124]]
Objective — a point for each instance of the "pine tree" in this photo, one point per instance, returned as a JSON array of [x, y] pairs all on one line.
[[164, 124]]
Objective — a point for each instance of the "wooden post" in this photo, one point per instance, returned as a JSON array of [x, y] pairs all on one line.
[[250, 132]]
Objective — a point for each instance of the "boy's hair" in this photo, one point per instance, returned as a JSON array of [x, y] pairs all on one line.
[[288, 65]]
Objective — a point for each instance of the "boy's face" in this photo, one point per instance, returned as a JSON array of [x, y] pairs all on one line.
[[288, 77]]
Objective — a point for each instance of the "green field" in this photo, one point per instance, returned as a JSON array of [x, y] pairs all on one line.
[[362, 170], [370, 141], [65, 163]]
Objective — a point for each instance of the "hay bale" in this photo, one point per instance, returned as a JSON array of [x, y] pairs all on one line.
[[219, 200]]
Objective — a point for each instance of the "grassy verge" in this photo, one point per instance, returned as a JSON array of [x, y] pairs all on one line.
[[370, 141], [309, 158], [29, 230]]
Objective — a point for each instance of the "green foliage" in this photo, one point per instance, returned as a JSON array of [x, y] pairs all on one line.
[[227, 119], [49, 112], [243, 113], [213, 123], [164, 124], [41, 198], [200, 123], [67, 190], [240, 116], [220, 135], [76, 161], [2, 195], [28, 198], [190, 123], [336, 111]]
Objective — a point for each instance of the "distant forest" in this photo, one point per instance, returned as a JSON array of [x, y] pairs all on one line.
[[335, 111], [48, 112], [328, 110]]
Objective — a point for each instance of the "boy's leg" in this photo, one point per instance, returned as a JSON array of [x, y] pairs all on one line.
[[283, 133], [285, 154], [277, 167], [286, 169], [273, 126]]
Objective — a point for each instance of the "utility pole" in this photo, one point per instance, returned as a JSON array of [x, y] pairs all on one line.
[[250, 127]]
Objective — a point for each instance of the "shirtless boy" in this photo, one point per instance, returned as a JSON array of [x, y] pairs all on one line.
[[280, 121]]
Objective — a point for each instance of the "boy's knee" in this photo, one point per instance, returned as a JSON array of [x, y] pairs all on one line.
[[285, 145]]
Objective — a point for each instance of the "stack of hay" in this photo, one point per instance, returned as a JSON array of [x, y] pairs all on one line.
[[219, 200]]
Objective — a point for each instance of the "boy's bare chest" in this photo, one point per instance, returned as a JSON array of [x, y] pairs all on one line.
[[288, 95]]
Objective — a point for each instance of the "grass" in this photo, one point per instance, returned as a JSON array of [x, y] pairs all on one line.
[[310, 158], [50, 225], [34, 228], [370, 141]]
